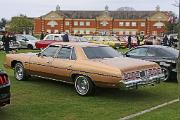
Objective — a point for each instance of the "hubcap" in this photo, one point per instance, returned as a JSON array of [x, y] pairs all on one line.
[[82, 85], [165, 72], [19, 72]]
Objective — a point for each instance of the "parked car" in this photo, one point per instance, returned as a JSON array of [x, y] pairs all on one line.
[[85, 65], [165, 56], [48, 39], [4, 89], [149, 41], [26, 41], [106, 40], [13, 44], [133, 41]]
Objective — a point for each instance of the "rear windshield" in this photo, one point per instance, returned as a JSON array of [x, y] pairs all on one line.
[[100, 52]]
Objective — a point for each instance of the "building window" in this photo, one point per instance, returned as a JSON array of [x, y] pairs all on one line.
[[87, 23], [56, 31], [154, 32], [48, 31], [81, 23], [133, 24], [127, 23], [133, 32], [87, 31], [81, 31], [75, 23], [127, 32], [67, 23], [121, 23], [76, 31], [67, 31], [121, 32], [142, 24]]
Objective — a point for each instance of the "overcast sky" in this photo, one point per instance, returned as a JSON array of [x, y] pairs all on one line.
[[36, 8]]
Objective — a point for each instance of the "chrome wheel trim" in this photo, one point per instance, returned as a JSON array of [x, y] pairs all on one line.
[[82, 85], [165, 72], [19, 73]]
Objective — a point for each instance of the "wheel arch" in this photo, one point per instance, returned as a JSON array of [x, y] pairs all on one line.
[[13, 63]]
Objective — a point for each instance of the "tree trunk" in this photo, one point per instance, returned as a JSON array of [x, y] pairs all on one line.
[[178, 61]]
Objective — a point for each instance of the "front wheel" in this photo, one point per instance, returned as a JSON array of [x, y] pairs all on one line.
[[166, 73], [84, 86], [19, 72]]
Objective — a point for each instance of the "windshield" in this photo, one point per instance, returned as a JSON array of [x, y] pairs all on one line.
[[29, 37], [100, 52], [172, 51]]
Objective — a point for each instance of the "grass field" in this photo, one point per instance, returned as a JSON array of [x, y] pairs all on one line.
[[39, 99]]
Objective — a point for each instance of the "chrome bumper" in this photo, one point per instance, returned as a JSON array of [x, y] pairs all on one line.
[[134, 84]]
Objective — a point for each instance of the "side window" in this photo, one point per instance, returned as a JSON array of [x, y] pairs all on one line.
[[50, 37], [138, 52], [151, 52], [50, 51], [58, 38], [64, 53]]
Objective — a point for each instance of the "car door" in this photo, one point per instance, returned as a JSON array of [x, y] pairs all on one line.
[[41, 64], [22, 40], [62, 64], [139, 53]]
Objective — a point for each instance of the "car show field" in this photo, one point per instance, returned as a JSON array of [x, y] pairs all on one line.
[[40, 99]]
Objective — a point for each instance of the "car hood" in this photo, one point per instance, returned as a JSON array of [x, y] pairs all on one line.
[[128, 64]]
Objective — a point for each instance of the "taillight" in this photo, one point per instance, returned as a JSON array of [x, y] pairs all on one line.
[[3, 79]]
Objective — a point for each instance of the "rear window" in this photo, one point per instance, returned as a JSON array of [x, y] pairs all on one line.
[[100, 52]]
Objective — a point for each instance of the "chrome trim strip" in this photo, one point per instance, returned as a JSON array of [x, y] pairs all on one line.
[[52, 79]]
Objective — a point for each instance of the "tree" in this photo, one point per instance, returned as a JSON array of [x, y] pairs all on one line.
[[20, 24], [171, 28], [3, 22], [177, 4]]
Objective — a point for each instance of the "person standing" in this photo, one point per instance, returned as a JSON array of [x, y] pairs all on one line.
[[138, 39], [171, 41], [129, 42], [165, 41], [6, 41], [42, 36], [65, 38]]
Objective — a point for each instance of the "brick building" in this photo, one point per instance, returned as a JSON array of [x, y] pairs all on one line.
[[102, 22]]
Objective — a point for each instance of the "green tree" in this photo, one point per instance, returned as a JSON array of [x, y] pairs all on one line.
[[171, 28], [20, 24], [3, 22]]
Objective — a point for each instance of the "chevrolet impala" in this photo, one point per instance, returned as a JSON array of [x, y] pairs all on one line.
[[85, 65]]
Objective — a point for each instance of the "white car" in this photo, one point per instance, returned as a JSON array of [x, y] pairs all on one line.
[[26, 41]]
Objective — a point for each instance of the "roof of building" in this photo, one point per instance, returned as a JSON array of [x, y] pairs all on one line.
[[114, 14]]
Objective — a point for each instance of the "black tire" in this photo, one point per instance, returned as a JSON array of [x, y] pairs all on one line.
[[166, 72], [30, 47], [19, 72], [84, 86]]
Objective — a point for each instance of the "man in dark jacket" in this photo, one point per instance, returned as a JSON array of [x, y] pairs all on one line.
[[129, 41], [6, 41], [165, 41], [65, 38]]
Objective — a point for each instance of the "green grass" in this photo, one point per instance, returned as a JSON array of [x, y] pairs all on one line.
[[39, 99]]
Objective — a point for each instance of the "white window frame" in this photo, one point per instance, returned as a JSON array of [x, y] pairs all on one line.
[[67, 23], [81, 23], [76, 31], [127, 24], [143, 24], [88, 23], [75, 23], [121, 23], [134, 24], [87, 31], [81, 31]]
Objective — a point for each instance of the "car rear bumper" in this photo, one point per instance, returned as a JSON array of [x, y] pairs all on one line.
[[134, 84], [4, 95]]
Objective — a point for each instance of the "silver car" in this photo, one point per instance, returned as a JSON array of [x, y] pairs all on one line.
[[26, 41]]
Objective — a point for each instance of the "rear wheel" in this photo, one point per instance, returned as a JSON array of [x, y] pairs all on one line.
[[84, 85], [19, 72]]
